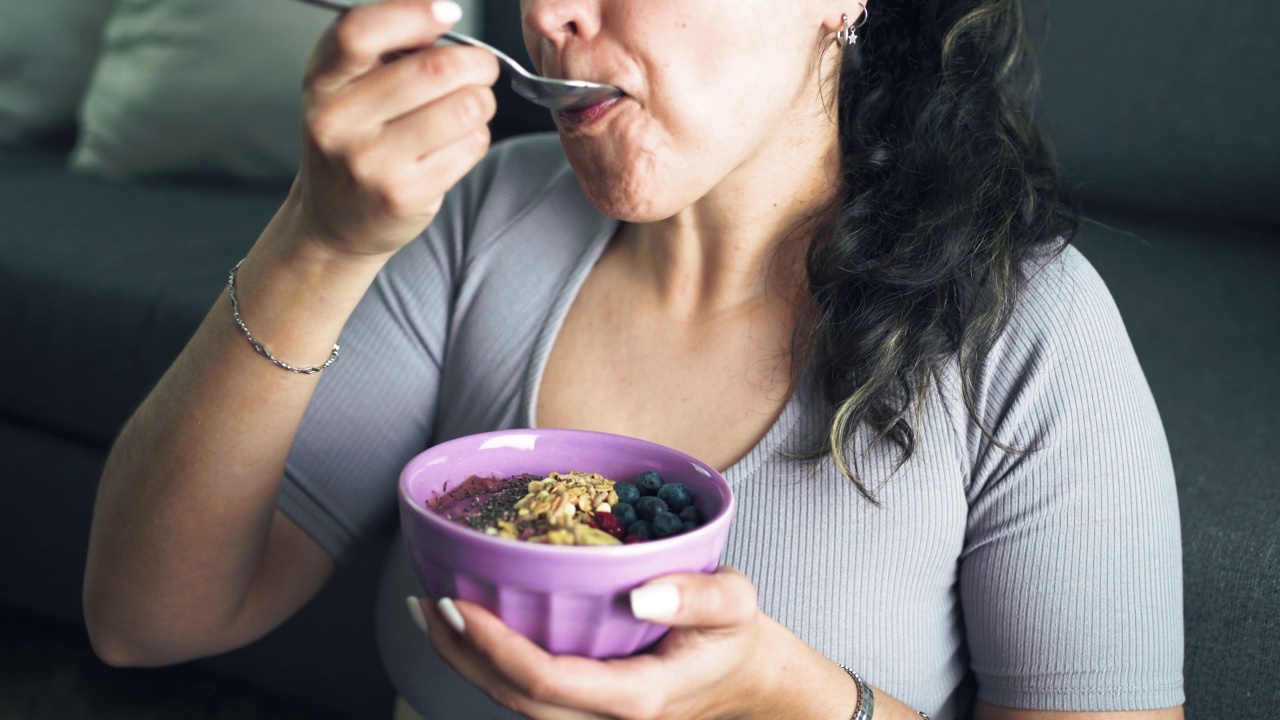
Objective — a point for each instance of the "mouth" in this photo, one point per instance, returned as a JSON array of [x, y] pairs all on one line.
[[583, 118]]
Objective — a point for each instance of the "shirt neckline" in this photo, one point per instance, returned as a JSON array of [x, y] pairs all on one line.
[[769, 445]]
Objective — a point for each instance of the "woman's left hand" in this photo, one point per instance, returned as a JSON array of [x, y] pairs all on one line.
[[721, 659]]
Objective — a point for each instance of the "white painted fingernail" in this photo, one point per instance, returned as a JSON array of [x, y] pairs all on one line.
[[451, 615], [446, 11], [415, 612], [655, 602]]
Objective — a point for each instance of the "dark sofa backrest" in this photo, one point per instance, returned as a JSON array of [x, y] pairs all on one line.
[[1167, 105]]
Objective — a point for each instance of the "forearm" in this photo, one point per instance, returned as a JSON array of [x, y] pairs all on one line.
[[186, 501], [808, 685]]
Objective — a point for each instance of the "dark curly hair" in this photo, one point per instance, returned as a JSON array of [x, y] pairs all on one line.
[[948, 188]]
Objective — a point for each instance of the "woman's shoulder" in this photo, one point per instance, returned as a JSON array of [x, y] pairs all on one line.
[[1064, 324], [1064, 298], [523, 188]]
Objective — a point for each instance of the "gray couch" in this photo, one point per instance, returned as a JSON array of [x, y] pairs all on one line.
[[1165, 113]]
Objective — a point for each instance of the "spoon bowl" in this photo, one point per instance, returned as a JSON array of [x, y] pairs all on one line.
[[551, 93]]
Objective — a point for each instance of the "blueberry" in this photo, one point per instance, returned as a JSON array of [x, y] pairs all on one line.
[[675, 495], [687, 525], [648, 482], [627, 492], [647, 508], [666, 524], [625, 512], [640, 529], [691, 514]]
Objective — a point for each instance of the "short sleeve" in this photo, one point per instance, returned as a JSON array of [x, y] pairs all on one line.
[[378, 405], [1071, 575], [374, 408]]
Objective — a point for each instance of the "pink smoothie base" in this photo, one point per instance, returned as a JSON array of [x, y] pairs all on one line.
[[569, 600]]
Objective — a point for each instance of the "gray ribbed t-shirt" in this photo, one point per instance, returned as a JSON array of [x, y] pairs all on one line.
[[1048, 579]]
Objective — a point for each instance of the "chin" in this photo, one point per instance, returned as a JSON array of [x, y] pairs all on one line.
[[624, 190], [630, 173]]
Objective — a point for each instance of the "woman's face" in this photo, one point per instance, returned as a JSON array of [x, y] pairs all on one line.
[[715, 89]]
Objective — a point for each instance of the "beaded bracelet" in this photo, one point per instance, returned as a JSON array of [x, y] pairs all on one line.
[[235, 313]]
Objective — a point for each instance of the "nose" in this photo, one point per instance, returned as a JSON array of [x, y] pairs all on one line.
[[560, 21]]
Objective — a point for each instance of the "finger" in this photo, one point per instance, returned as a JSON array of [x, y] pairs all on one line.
[[351, 121], [721, 600], [410, 190], [567, 681], [350, 124], [431, 129], [364, 35], [460, 653], [418, 79], [410, 186]]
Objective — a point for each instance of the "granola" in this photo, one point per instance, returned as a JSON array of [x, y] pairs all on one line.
[[559, 509]]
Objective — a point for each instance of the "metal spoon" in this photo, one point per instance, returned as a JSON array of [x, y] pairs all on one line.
[[548, 92]]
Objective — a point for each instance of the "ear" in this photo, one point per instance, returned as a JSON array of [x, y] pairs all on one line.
[[833, 12]]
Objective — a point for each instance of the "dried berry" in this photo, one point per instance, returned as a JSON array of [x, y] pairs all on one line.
[[609, 523]]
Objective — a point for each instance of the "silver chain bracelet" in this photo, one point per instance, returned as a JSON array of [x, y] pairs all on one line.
[[866, 698], [262, 350]]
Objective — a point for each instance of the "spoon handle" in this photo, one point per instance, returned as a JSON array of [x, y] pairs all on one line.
[[503, 58]]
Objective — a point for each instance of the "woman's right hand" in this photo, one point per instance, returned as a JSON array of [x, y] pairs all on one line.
[[390, 124]]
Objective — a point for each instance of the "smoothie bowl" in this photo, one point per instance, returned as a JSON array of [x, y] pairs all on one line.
[[564, 585]]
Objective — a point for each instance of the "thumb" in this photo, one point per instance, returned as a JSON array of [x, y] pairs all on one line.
[[723, 599]]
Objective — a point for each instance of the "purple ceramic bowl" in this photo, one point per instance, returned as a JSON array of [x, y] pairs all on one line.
[[569, 600]]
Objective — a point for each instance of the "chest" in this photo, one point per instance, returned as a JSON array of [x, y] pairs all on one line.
[[710, 387]]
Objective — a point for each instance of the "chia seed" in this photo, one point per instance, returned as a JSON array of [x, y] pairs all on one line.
[[481, 503], [499, 506]]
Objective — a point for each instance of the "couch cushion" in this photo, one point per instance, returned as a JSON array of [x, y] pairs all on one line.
[[1168, 104], [101, 285], [198, 88], [1201, 304], [47, 52]]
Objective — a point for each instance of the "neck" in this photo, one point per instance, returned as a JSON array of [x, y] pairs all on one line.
[[742, 243]]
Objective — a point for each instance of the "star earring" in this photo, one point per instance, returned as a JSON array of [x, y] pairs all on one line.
[[848, 35]]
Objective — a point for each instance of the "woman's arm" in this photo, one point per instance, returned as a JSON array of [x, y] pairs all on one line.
[[185, 525], [1071, 573], [188, 555]]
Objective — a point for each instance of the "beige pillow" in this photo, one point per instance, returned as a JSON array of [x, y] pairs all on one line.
[[202, 87], [198, 87], [47, 51]]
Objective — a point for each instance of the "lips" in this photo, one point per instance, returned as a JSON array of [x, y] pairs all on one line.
[[572, 120]]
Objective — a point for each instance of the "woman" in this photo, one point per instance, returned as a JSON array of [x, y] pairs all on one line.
[[834, 269]]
